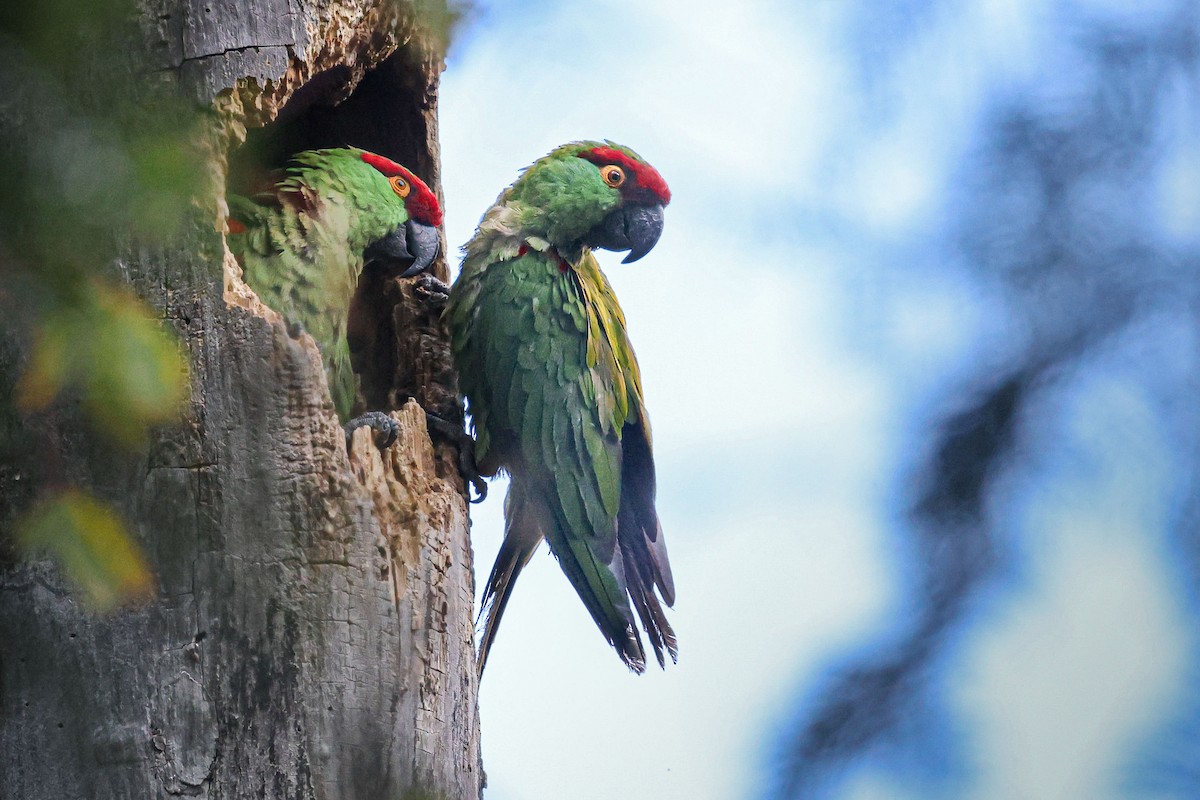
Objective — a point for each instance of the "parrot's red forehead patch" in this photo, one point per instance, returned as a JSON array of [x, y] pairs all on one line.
[[422, 205], [644, 176]]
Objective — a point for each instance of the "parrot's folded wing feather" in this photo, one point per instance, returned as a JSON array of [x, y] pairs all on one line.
[[640, 539]]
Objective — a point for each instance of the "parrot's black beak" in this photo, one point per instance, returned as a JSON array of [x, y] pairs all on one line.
[[634, 227], [422, 245], [412, 241]]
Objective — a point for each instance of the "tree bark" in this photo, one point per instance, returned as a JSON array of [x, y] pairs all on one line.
[[312, 635]]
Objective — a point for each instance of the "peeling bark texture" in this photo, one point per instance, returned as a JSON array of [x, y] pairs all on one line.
[[312, 636]]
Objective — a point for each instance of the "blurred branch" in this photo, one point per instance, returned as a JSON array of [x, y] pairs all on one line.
[[1052, 206], [869, 703]]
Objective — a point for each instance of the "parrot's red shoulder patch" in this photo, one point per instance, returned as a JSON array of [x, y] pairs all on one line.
[[235, 225], [644, 176], [422, 205]]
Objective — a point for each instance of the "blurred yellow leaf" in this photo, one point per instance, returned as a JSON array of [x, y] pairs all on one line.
[[130, 369], [138, 376], [90, 542], [47, 371]]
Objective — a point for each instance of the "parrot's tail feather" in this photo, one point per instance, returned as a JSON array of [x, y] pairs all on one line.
[[522, 535], [512, 558], [645, 559], [625, 636], [656, 550], [645, 611], [658, 630], [632, 652]]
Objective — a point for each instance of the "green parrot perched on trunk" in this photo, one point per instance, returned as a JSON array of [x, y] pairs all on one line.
[[554, 391], [304, 243]]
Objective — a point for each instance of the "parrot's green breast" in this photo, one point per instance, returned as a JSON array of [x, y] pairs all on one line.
[[560, 329]]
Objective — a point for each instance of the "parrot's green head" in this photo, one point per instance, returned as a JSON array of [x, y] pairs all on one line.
[[592, 194], [417, 239]]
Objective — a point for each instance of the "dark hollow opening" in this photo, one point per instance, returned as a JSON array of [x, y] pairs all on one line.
[[388, 113]]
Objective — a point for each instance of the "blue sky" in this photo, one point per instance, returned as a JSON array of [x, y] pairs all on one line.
[[796, 326]]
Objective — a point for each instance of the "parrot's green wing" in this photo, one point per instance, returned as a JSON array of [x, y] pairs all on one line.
[[643, 564], [555, 388]]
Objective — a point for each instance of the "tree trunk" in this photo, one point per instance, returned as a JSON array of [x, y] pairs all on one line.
[[312, 634]]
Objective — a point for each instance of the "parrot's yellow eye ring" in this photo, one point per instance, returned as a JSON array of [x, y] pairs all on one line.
[[613, 175], [400, 186]]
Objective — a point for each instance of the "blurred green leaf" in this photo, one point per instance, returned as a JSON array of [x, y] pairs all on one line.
[[129, 369], [436, 21], [47, 371], [90, 542], [51, 29]]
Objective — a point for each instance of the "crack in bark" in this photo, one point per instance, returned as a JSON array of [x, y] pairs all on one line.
[[242, 49]]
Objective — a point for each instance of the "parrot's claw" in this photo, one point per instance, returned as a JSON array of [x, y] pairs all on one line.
[[386, 428], [434, 291], [466, 453], [295, 330]]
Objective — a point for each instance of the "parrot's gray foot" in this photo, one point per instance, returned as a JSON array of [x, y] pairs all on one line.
[[465, 445], [295, 330], [386, 429], [434, 291]]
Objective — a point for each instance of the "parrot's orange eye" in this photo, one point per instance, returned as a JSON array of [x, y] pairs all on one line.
[[400, 186], [614, 176]]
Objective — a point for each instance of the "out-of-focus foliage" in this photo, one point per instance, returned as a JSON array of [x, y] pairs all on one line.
[[129, 374], [98, 153], [90, 541], [437, 20]]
